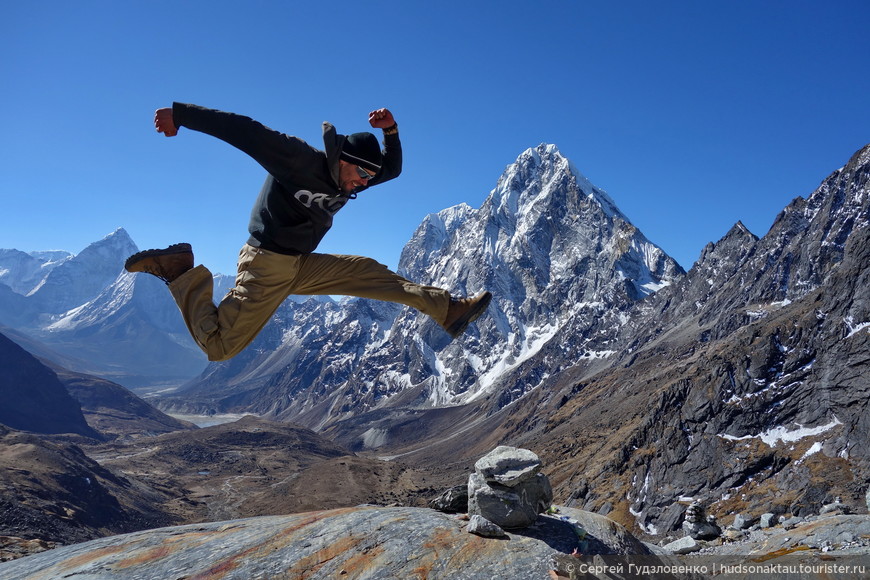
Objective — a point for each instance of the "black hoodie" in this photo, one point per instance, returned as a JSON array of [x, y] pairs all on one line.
[[301, 194]]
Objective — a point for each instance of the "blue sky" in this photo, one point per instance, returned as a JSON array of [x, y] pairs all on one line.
[[691, 115]]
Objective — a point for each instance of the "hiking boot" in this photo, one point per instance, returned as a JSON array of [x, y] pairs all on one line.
[[464, 311], [167, 264]]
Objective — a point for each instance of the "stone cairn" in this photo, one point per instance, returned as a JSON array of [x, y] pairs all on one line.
[[697, 525], [506, 491]]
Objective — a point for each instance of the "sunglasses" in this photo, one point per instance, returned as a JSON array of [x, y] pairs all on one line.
[[364, 174]]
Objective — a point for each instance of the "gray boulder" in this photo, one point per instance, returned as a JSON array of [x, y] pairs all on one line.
[[768, 520], [588, 526], [835, 507], [685, 545], [867, 499], [511, 507], [743, 522], [508, 465], [452, 501], [483, 527]]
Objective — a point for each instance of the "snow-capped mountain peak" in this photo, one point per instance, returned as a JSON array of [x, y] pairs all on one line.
[[83, 276], [545, 164]]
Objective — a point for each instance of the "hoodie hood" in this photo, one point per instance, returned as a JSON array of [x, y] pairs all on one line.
[[333, 143]]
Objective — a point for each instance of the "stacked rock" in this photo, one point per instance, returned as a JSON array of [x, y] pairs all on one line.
[[697, 525], [507, 488]]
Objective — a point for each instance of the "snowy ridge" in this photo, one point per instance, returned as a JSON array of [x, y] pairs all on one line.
[[506, 362], [106, 304], [81, 277], [24, 272]]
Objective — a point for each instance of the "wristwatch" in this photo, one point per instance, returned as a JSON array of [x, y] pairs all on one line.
[[392, 130]]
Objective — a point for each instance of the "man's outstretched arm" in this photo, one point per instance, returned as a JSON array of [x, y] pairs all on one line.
[[279, 154]]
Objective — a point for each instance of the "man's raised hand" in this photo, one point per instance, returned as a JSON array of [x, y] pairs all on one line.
[[381, 119], [164, 122]]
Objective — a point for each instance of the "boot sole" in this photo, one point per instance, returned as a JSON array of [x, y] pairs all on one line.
[[182, 248], [461, 323]]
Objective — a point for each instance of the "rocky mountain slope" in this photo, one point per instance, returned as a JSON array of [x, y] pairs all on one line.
[[744, 384], [52, 491], [113, 411], [62, 490], [43, 398], [55, 493], [34, 398], [89, 459]]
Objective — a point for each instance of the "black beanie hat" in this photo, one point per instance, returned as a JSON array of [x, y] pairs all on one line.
[[362, 149]]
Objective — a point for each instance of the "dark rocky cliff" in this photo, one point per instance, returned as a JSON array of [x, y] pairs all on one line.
[[33, 398]]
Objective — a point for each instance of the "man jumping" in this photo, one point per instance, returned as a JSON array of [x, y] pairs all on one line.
[[304, 188]]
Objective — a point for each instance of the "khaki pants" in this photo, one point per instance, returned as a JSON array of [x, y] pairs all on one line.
[[265, 279]]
